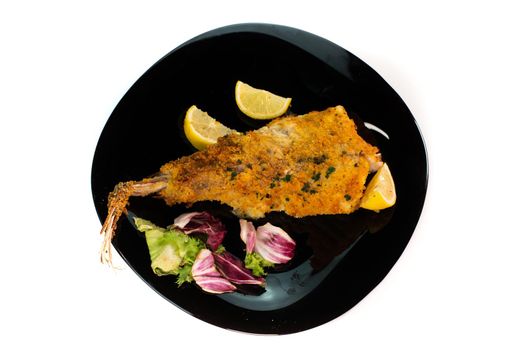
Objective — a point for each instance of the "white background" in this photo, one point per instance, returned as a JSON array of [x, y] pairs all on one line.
[[459, 66]]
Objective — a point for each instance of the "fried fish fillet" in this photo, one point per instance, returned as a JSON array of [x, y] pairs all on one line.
[[304, 165]]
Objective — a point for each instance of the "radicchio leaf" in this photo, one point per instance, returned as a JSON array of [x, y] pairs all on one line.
[[206, 275], [274, 244], [248, 234], [202, 222], [232, 269]]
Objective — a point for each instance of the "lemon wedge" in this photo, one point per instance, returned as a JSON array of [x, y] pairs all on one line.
[[258, 103], [201, 129], [380, 192]]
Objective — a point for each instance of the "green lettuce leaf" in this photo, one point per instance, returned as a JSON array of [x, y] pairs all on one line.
[[185, 274], [221, 249], [172, 252], [256, 263]]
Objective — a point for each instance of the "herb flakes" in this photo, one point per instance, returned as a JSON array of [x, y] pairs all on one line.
[[330, 170]]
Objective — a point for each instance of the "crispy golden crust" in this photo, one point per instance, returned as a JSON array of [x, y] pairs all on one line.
[[304, 165]]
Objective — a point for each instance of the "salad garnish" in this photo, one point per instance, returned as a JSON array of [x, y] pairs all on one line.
[[191, 249]]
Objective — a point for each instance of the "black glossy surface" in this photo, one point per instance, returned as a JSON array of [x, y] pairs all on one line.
[[145, 131]]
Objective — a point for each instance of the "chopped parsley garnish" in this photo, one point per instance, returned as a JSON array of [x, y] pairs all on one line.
[[233, 175], [316, 176], [330, 170], [287, 178], [347, 197], [306, 187]]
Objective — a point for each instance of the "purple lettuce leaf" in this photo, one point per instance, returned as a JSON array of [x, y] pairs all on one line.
[[269, 242], [232, 269], [207, 277], [248, 234], [204, 223], [274, 244]]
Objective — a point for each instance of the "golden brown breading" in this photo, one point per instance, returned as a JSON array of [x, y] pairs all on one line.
[[303, 165]]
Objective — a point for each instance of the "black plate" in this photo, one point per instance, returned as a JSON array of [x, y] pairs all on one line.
[[327, 277]]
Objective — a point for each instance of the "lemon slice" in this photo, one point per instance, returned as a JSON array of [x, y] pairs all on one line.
[[201, 129], [260, 104], [380, 192]]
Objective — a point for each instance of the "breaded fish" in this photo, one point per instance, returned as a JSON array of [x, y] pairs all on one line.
[[304, 165]]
